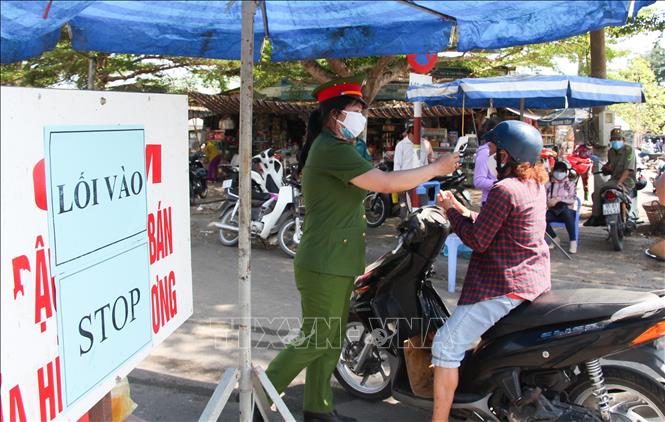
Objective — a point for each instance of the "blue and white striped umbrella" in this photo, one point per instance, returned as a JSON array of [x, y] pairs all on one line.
[[539, 92]]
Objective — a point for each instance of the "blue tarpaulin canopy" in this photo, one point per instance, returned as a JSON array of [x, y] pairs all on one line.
[[541, 92], [298, 29]]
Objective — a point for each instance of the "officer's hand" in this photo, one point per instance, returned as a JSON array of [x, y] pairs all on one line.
[[447, 163]]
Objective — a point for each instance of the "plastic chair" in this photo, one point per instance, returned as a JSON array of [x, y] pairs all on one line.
[[578, 211], [425, 188], [452, 243]]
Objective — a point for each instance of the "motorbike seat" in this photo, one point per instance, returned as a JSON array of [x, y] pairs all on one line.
[[259, 197], [562, 306]]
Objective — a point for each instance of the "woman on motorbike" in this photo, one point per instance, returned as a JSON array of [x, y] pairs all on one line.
[[510, 261], [332, 249]]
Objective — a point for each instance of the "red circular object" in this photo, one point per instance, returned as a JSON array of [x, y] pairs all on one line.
[[422, 63]]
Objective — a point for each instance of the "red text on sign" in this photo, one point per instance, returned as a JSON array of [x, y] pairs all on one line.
[[164, 301], [160, 233]]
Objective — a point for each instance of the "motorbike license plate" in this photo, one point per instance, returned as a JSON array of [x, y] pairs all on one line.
[[227, 183], [611, 208]]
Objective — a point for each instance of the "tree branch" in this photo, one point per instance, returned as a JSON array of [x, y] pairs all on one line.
[[317, 71], [339, 67], [142, 72]]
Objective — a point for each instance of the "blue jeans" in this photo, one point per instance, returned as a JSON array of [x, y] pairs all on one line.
[[464, 328], [567, 217]]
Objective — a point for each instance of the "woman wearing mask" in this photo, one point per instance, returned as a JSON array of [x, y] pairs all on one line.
[[510, 261], [484, 171], [332, 249], [561, 198]]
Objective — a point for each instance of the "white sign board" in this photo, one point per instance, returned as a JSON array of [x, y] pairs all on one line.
[[143, 246]]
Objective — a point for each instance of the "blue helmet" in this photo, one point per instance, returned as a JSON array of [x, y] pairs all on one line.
[[521, 140]]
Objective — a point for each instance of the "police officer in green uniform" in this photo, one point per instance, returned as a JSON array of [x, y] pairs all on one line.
[[331, 253], [621, 166]]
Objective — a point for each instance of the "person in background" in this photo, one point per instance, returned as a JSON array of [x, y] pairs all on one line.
[[429, 151], [621, 165], [584, 150], [408, 157], [214, 157], [484, 175], [561, 198]]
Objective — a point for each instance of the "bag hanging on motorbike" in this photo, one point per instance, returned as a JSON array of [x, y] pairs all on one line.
[[418, 357]]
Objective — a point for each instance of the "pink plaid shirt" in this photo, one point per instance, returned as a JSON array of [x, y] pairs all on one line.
[[565, 190], [510, 255]]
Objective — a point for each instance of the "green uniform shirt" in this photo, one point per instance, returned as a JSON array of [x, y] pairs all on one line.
[[333, 240], [623, 159]]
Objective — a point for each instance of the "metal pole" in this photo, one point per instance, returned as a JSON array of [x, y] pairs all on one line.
[[417, 132], [463, 100], [521, 109], [417, 121], [92, 70], [244, 246]]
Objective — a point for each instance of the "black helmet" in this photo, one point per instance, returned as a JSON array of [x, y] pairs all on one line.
[[561, 165], [521, 140]]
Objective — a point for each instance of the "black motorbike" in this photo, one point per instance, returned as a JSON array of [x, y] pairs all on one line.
[[198, 179], [542, 362], [379, 206]]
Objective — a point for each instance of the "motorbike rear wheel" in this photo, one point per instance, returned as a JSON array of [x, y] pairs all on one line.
[[374, 380], [616, 231], [633, 396], [375, 209], [228, 237]]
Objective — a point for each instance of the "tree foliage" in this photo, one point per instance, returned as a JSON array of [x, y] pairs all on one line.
[[652, 113], [657, 61]]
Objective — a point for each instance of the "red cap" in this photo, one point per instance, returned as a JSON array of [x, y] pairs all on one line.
[[350, 86]]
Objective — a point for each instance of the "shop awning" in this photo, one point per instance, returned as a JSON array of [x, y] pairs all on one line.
[[299, 29], [230, 105], [540, 92]]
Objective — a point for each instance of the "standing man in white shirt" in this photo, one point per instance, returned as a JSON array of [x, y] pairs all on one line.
[[409, 155]]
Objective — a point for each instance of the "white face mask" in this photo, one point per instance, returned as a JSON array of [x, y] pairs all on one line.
[[355, 123], [559, 175], [491, 165]]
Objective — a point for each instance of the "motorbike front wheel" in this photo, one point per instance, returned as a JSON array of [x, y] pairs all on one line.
[[289, 236], [616, 231], [228, 237], [203, 192], [371, 381], [633, 396], [375, 209]]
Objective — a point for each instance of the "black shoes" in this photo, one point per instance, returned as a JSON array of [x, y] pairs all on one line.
[[326, 417]]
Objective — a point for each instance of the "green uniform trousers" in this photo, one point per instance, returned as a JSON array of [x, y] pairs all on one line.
[[324, 300]]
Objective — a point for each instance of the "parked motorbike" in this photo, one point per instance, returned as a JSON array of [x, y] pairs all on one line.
[[270, 213], [270, 170], [198, 179], [582, 166], [617, 204], [542, 362]]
